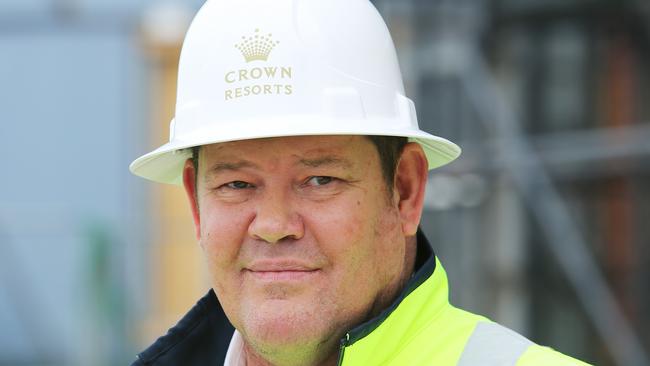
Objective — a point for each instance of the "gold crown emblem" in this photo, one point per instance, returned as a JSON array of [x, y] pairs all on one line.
[[256, 46]]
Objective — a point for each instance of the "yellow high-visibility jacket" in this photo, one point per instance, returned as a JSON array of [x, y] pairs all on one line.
[[423, 328]]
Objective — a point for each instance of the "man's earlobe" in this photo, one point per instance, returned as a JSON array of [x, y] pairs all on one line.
[[410, 182], [191, 191]]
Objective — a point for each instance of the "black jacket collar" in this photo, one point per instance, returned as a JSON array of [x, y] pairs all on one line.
[[200, 338]]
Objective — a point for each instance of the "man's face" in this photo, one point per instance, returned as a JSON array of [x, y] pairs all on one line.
[[301, 237]]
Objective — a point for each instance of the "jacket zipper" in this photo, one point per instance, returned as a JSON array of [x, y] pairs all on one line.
[[344, 343]]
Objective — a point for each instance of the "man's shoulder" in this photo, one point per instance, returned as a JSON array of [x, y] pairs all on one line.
[[201, 337], [541, 356], [470, 339], [493, 342]]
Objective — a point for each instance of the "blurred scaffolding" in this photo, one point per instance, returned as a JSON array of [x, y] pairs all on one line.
[[541, 224]]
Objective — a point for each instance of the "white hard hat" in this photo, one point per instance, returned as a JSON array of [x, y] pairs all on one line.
[[258, 68]]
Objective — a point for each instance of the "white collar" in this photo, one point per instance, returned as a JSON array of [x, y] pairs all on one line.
[[235, 354]]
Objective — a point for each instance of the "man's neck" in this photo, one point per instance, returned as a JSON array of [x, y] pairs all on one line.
[[410, 257]]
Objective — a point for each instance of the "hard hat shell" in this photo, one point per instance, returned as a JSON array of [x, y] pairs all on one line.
[[258, 68]]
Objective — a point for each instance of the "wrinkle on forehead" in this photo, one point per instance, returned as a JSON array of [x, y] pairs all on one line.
[[329, 161], [231, 166]]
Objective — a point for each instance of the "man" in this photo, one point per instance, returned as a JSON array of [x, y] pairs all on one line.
[[305, 170]]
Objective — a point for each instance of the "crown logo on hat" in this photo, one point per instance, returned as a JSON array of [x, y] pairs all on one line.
[[257, 46]]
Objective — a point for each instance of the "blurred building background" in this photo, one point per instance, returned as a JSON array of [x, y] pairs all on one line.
[[542, 224]]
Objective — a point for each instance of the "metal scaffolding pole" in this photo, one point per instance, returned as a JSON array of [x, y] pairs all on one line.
[[564, 239]]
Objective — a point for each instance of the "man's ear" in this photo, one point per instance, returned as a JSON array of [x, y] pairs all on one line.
[[410, 181], [190, 184]]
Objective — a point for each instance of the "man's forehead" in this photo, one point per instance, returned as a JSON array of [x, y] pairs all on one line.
[[309, 151]]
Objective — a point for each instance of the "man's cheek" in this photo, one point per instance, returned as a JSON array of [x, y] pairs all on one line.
[[223, 225], [338, 215], [218, 251]]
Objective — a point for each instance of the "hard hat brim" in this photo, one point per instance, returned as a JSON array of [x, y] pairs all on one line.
[[165, 164]]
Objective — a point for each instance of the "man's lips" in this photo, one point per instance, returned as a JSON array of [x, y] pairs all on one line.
[[281, 270]]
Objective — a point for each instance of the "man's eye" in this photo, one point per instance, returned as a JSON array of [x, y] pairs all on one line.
[[238, 185], [319, 181]]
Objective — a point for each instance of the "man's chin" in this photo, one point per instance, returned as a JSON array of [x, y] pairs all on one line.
[[282, 330], [278, 327], [289, 343]]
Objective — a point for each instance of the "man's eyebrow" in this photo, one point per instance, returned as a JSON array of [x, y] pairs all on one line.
[[332, 161], [230, 166]]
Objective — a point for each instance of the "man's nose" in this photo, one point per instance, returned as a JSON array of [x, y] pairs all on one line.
[[275, 220]]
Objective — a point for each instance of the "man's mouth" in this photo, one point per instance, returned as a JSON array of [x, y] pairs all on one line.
[[281, 270]]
